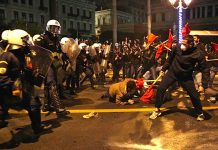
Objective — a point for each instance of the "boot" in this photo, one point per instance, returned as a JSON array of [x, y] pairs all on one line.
[[60, 111], [61, 92], [35, 118]]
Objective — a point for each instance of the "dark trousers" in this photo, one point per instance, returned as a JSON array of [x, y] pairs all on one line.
[[187, 84], [116, 70]]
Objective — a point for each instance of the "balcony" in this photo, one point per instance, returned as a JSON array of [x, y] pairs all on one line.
[[72, 15], [43, 8], [85, 17]]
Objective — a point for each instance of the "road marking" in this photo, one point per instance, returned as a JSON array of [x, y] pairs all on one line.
[[147, 109]]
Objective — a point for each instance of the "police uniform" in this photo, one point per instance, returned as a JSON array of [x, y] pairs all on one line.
[[51, 42], [13, 70]]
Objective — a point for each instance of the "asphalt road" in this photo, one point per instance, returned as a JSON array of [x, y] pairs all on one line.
[[130, 129]]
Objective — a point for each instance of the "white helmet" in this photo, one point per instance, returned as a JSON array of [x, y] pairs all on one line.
[[54, 27], [96, 45], [116, 44], [5, 34], [36, 37], [82, 45], [19, 38], [64, 40], [64, 46]]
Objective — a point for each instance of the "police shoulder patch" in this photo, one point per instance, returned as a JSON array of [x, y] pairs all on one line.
[[3, 70]]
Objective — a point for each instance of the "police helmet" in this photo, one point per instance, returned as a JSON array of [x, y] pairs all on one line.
[[54, 27]]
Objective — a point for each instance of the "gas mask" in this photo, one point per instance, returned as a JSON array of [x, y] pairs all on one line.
[[183, 47]]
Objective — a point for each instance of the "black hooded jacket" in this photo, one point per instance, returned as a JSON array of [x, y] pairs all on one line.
[[183, 63]]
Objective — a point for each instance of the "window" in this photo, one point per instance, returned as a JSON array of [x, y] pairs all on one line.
[[90, 14], [23, 1], [90, 27], [99, 21], [42, 19], [84, 26], [78, 25], [163, 17], [64, 24], [41, 3], [23, 16], [198, 12], [84, 12], [216, 10], [188, 14], [63, 9], [193, 13], [209, 11], [31, 2], [153, 17], [31, 19], [71, 24], [203, 12], [104, 21], [2, 14], [16, 15], [71, 10], [77, 10]]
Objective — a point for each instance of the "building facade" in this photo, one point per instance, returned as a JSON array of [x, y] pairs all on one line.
[[77, 16], [201, 15], [74, 16], [29, 11]]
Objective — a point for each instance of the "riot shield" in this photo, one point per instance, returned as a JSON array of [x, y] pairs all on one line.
[[40, 61], [106, 52], [72, 50], [92, 51]]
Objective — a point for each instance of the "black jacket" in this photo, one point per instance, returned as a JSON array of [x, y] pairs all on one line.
[[9, 69], [48, 41], [183, 63]]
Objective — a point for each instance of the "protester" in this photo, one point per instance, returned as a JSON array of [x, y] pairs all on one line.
[[180, 66], [122, 92]]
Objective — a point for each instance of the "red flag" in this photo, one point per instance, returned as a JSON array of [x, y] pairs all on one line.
[[214, 46], [139, 83], [170, 39], [186, 30], [159, 51], [151, 37], [148, 95]]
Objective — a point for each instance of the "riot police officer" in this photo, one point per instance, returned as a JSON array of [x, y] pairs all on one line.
[[15, 80], [50, 40]]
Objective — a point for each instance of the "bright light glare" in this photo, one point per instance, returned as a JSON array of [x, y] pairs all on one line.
[[180, 24], [172, 2], [187, 2]]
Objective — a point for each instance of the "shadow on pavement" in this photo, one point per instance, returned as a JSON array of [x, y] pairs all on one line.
[[188, 111], [26, 135]]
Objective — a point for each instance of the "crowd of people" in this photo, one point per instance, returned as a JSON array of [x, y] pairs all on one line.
[[68, 63]]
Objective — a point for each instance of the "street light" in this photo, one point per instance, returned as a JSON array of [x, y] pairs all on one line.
[[180, 7]]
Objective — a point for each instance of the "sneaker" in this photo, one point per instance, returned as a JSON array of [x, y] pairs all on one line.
[[201, 117], [90, 115], [212, 99], [155, 114]]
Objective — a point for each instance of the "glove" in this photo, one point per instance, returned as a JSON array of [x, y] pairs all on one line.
[[161, 73], [201, 89]]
